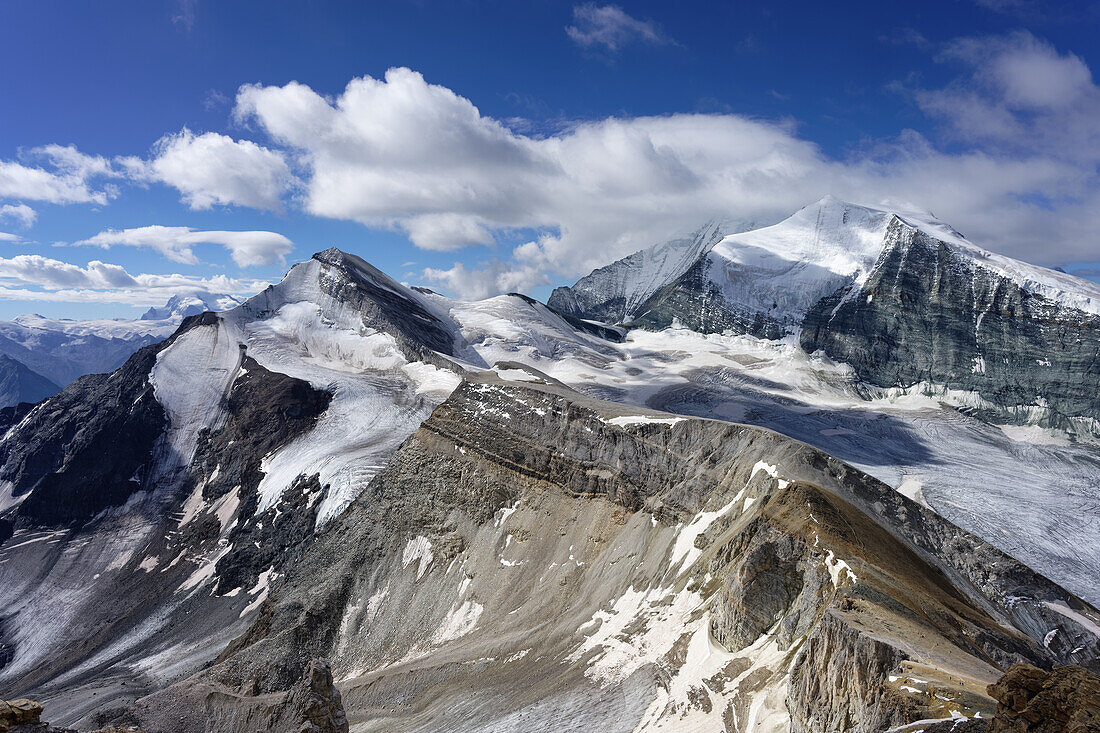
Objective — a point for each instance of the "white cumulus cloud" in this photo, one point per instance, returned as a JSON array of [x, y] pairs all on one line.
[[67, 177], [247, 248], [401, 152], [33, 277], [21, 214], [211, 169]]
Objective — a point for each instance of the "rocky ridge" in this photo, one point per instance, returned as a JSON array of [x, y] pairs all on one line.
[[826, 598]]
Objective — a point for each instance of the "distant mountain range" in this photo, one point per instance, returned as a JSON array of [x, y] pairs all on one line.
[[60, 350], [836, 474]]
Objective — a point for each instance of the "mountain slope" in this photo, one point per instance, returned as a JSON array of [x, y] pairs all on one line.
[[20, 384], [903, 299], [531, 559], [63, 350], [156, 504], [179, 307], [426, 492], [928, 313]]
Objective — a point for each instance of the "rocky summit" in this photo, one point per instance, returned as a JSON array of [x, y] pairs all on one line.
[[835, 474]]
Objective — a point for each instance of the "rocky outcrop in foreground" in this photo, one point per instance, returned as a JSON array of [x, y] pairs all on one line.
[[25, 716], [1033, 700], [17, 713]]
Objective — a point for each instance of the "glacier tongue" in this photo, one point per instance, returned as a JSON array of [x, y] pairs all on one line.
[[189, 380]]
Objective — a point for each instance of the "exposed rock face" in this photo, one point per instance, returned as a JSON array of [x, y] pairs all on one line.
[[831, 602], [927, 314], [135, 520], [618, 292], [265, 410], [378, 302], [317, 701], [1065, 700], [71, 453], [92, 446], [696, 301], [838, 680], [902, 301]]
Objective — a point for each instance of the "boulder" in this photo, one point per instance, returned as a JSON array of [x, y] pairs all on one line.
[[1031, 700], [318, 701], [18, 712]]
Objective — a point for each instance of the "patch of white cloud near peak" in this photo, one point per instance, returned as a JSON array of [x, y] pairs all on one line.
[[21, 214], [211, 169], [56, 174]]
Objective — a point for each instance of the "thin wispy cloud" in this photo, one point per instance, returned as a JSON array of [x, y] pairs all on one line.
[[608, 27], [184, 16]]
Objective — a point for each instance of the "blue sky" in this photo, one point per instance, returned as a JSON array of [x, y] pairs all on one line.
[[491, 146]]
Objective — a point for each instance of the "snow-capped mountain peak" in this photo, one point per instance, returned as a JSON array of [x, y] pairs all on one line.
[[619, 290], [179, 307], [778, 272]]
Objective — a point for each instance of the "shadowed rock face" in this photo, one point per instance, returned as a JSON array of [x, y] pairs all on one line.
[[926, 314], [105, 427], [618, 293], [264, 411], [488, 574], [696, 302]]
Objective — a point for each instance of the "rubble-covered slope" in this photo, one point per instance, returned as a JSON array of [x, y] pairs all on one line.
[[532, 559]]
